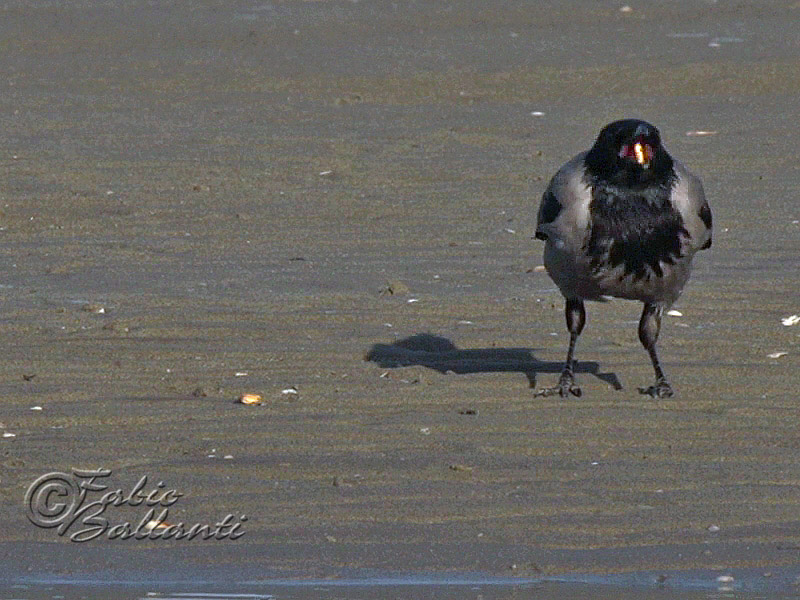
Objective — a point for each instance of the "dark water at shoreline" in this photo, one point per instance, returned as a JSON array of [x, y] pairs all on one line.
[[737, 584]]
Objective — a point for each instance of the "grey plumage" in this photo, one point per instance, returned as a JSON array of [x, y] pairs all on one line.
[[623, 219]]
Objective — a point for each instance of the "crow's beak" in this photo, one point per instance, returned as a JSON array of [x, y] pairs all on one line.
[[640, 153]]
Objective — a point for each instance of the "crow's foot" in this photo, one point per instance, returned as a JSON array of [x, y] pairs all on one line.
[[661, 389], [566, 386]]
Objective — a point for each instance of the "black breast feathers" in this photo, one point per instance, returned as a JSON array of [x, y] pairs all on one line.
[[636, 227]]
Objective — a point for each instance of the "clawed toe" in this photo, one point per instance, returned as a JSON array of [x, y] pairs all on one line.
[[661, 389], [565, 388]]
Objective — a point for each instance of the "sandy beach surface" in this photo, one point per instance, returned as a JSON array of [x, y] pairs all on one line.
[[330, 204]]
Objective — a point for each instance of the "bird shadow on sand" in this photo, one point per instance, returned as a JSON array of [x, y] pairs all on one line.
[[442, 355]]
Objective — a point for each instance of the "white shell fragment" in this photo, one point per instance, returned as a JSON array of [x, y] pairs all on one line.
[[289, 391], [777, 354], [718, 41], [36, 408], [688, 35], [725, 579], [8, 434], [713, 528], [674, 313], [700, 133], [791, 320]]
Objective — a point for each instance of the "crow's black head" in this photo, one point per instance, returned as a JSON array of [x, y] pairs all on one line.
[[629, 153]]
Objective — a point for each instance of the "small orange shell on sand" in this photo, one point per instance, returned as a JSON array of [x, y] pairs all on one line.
[[250, 399]]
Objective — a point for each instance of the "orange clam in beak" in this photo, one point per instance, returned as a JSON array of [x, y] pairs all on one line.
[[641, 152]]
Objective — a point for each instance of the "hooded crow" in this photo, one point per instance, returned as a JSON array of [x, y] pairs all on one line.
[[623, 219]]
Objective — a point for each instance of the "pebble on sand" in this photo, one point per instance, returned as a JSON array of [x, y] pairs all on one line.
[[97, 309], [250, 399], [154, 525], [394, 288], [458, 467]]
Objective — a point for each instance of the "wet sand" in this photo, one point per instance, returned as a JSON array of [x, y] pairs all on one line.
[[237, 184]]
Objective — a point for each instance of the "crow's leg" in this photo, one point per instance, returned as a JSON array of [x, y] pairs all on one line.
[[576, 319], [649, 327]]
